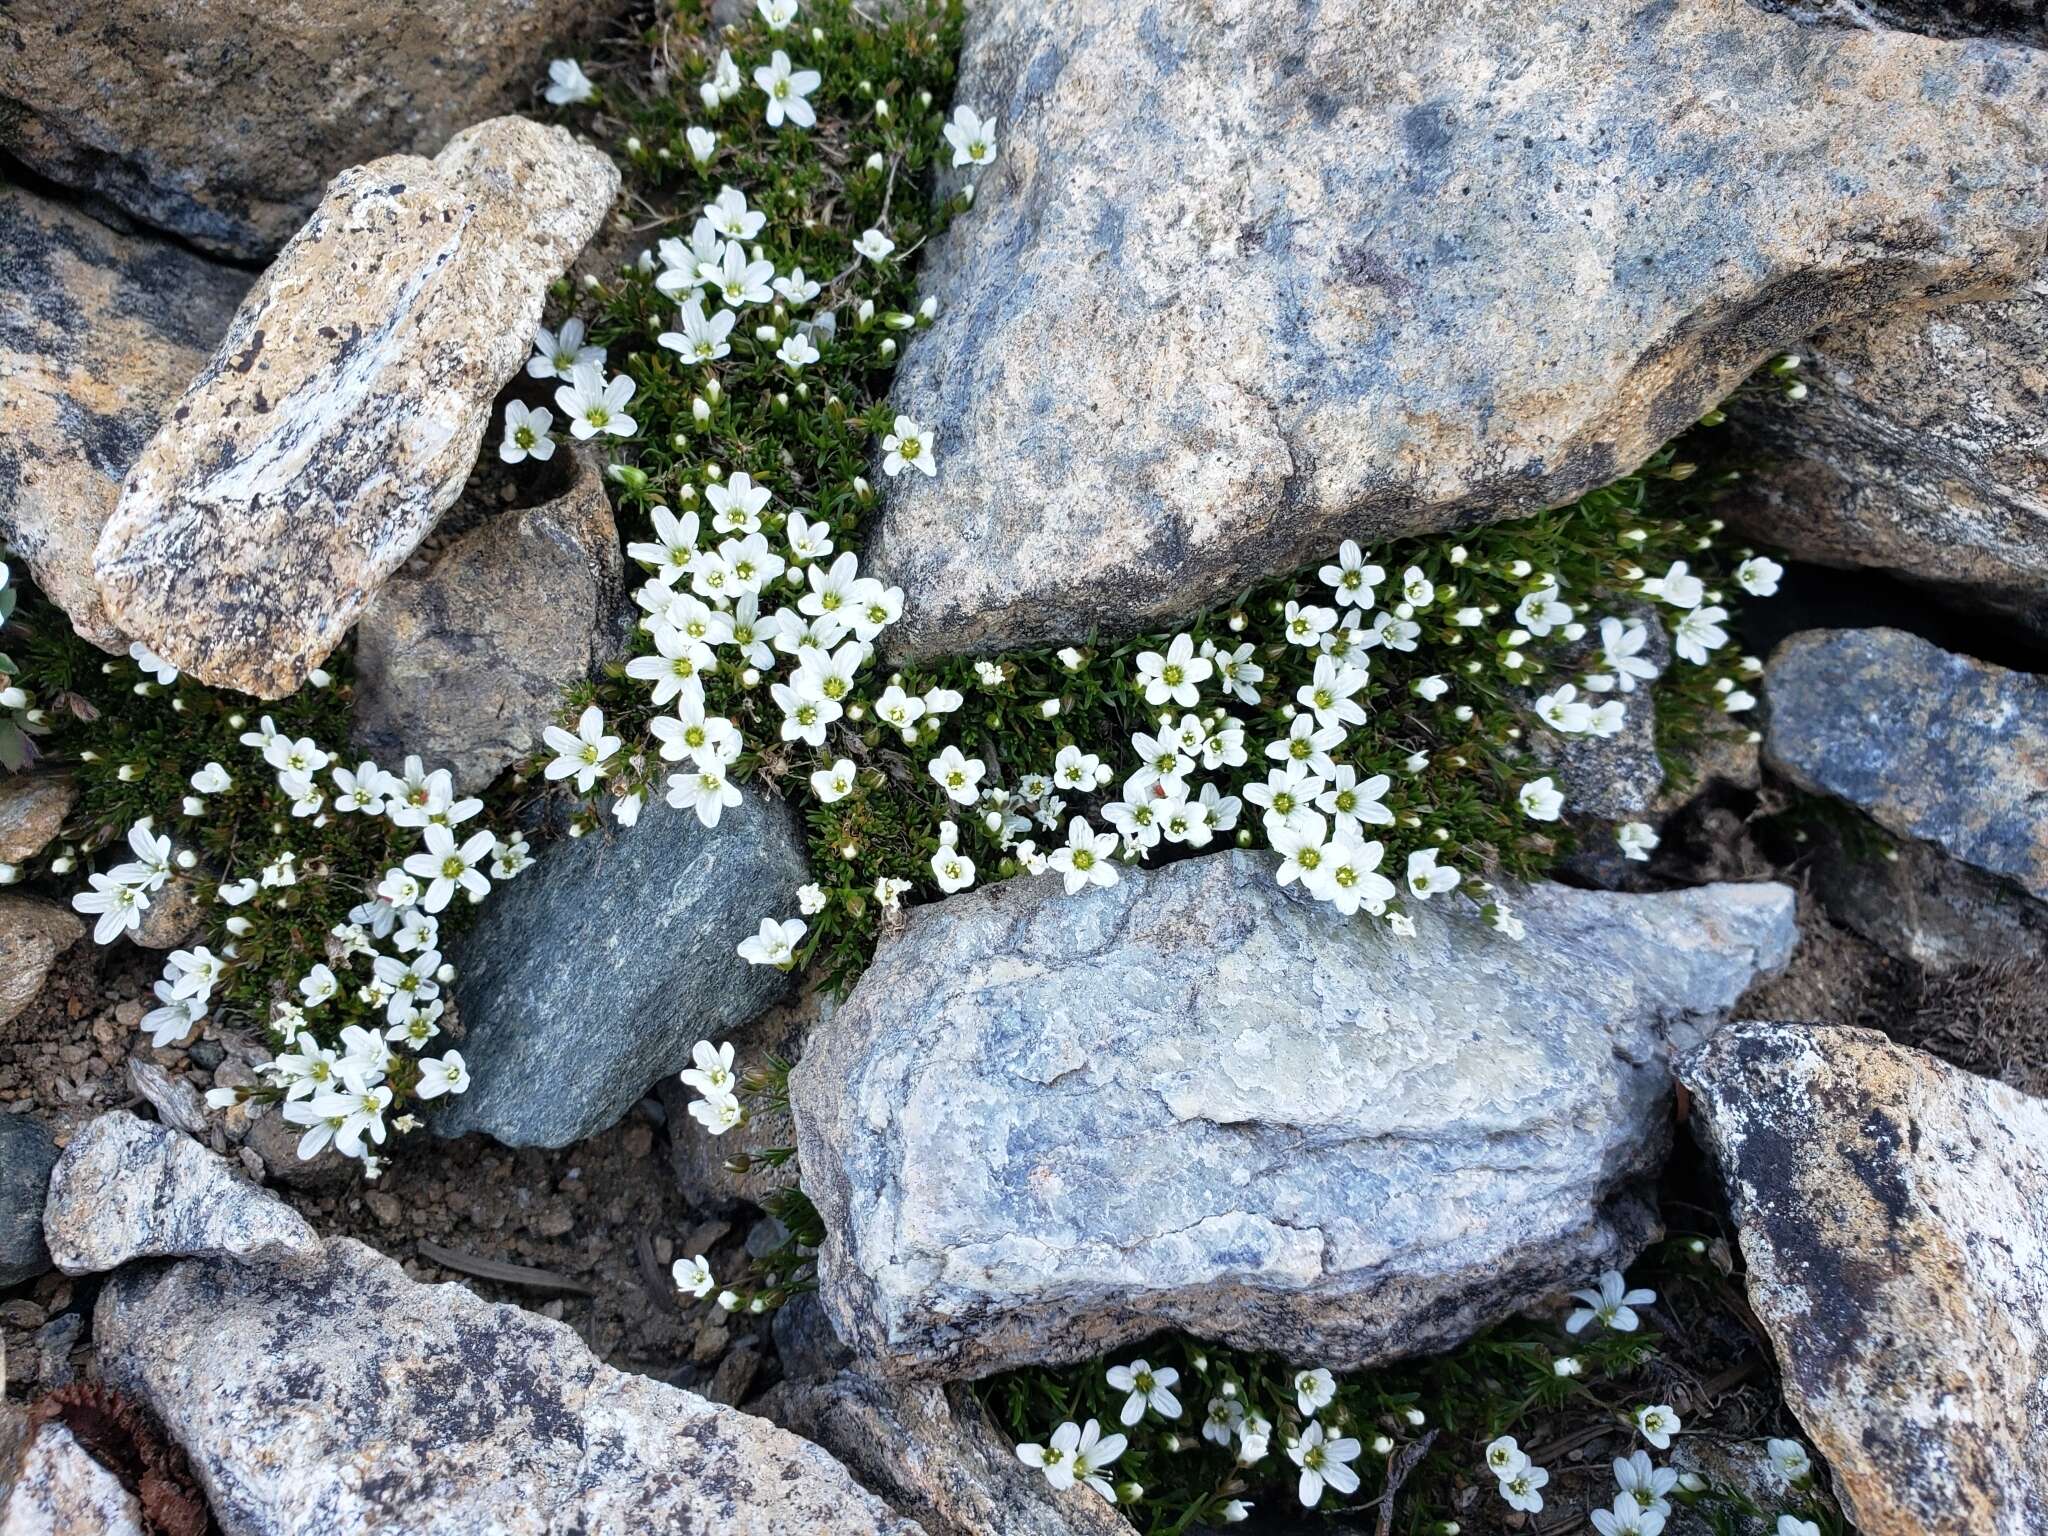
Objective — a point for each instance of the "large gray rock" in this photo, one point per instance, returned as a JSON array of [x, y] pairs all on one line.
[[61, 1490], [128, 1188], [1921, 447], [465, 662], [936, 1454], [342, 412], [1042, 1126], [33, 933], [1929, 745], [1448, 261], [595, 972], [98, 333], [342, 1396], [1893, 1213], [27, 1154], [221, 120]]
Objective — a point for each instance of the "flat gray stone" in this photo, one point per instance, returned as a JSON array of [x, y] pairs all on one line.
[[343, 1396], [1043, 1126], [1893, 1216], [99, 332], [464, 663], [342, 412], [27, 1154], [589, 978], [1929, 745], [1921, 448], [1240, 285], [128, 1188]]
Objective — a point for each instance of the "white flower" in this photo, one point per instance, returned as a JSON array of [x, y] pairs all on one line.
[[1541, 611], [1314, 1390], [874, 245], [1075, 1454], [1563, 710], [730, 216], [1677, 586], [1758, 576], [1567, 1366], [1148, 1388], [152, 663], [698, 337], [1657, 1424], [908, 447], [585, 755], [1307, 624], [953, 870], [1792, 1525], [708, 792], [796, 351], [1427, 878], [1621, 646], [711, 1074], [212, 780], [595, 405], [1540, 800], [557, 356], [526, 434], [717, 1115], [778, 14], [786, 89], [1309, 746], [1323, 1463], [1416, 589], [1789, 1456], [568, 86], [1522, 1490], [1648, 1485], [775, 944], [442, 1074], [1351, 804], [1085, 859], [1627, 1518], [1505, 1457], [703, 144], [694, 1276], [1331, 693], [1351, 578], [1346, 876], [973, 140], [960, 777], [1612, 1303], [798, 290], [1699, 633], [174, 1017], [446, 865], [1174, 675], [724, 83], [834, 784], [120, 907], [1637, 840]]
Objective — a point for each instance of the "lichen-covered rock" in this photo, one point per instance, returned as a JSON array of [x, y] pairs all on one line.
[[27, 1154], [1041, 1126], [597, 970], [343, 1396], [221, 120], [1450, 261], [98, 333], [465, 662], [1921, 447], [62, 1491], [1893, 1213], [342, 412], [935, 1454], [174, 915], [128, 1188], [33, 932], [32, 811], [1929, 745]]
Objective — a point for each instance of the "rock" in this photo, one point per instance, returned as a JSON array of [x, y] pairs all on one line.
[[1921, 448], [1893, 1213], [175, 915], [32, 806], [343, 1396], [63, 1491], [128, 1188], [98, 333], [1916, 903], [1618, 777], [1043, 1126], [699, 1159], [33, 932], [342, 412], [465, 662], [27, 1154], [220, 120], [1453, 261], [1927, 744], [933, 1452], [276, 1145], [653, 916]]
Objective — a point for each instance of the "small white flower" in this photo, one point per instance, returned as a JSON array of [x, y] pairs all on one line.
[[1314, 1390], [960, 777], [786, 89], [526, 434], [1789, 1458], [557, 356], [778, 14], [1324, 1463], [694, 1276], [596, 405], [440, 1075], [1148, 1388], [1085, 858], [1657, 1424], [568, 86], [151, 663], [972, 138], [775, 944], [1611, 1303], [585, 755], [953, 870], [908, 446], [1540, 800], [1637, 839], [874, 245], [1505, 1457], [1523, 1489], [1758, 576], [703, 144], [1677, 586]]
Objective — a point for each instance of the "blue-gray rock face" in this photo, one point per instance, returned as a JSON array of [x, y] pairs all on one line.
[[1041, 1126], [27, 1155], [1245, 280], [1927, 744], [592, 974]]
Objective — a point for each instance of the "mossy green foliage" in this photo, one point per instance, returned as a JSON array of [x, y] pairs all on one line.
[[1503, 1382]]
